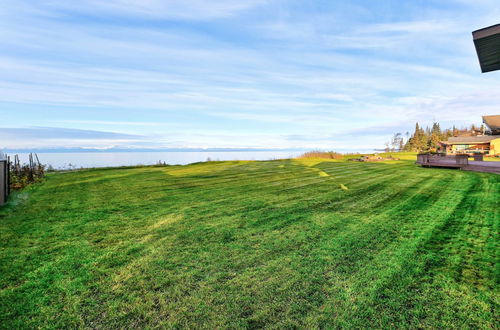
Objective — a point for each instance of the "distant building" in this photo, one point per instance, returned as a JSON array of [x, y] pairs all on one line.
[[484, 144]]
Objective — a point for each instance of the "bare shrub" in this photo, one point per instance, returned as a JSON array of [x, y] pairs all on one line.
[[321, 154], [22, 175]]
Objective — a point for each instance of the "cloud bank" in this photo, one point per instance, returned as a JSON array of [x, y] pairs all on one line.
[[285, 74]]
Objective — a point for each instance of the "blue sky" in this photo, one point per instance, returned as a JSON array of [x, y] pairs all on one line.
[[341, 75]]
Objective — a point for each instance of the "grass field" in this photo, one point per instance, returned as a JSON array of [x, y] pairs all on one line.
[[253, 244]]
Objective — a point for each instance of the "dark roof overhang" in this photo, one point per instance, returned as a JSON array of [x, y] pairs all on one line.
[[487, 42]]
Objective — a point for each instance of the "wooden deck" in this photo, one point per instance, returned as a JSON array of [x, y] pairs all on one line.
[[451, 162]]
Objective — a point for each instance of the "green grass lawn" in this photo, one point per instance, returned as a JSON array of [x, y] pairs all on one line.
[[253, 244]]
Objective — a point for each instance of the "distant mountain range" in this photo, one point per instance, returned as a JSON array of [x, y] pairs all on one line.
[[80, 150]]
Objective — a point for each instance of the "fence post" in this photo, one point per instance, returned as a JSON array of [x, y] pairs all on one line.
[[3, 182], [462, 159], [8, 176]]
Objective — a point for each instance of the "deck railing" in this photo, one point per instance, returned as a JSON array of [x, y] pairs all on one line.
[[429, 158]]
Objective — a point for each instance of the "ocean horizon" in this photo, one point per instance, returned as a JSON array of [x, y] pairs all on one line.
[[91, 159]]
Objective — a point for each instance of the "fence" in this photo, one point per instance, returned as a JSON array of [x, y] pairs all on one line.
[[16, 175], [4, 180]]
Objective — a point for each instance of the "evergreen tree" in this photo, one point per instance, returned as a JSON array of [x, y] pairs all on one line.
[[417, 140], [428, 139], [435, 137]]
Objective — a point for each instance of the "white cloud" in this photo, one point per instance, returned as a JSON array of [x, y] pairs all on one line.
[[242, 80], [157, 9]]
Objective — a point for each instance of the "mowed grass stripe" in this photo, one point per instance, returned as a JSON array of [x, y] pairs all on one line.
[[224, 187], [225, 191], [251, 245], [198, 208], [282, 182], [276, 201], [386, 267], [424, 260]]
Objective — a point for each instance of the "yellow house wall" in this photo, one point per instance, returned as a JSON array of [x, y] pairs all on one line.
[[495, 147]]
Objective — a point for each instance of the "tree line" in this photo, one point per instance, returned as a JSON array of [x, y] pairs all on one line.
[[427, 140]]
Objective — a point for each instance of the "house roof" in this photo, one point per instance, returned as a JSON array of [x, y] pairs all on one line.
[[487, 43], [470, 139], [493, 122]]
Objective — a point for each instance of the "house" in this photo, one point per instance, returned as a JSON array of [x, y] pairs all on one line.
[[493, 123], [484, 144]]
